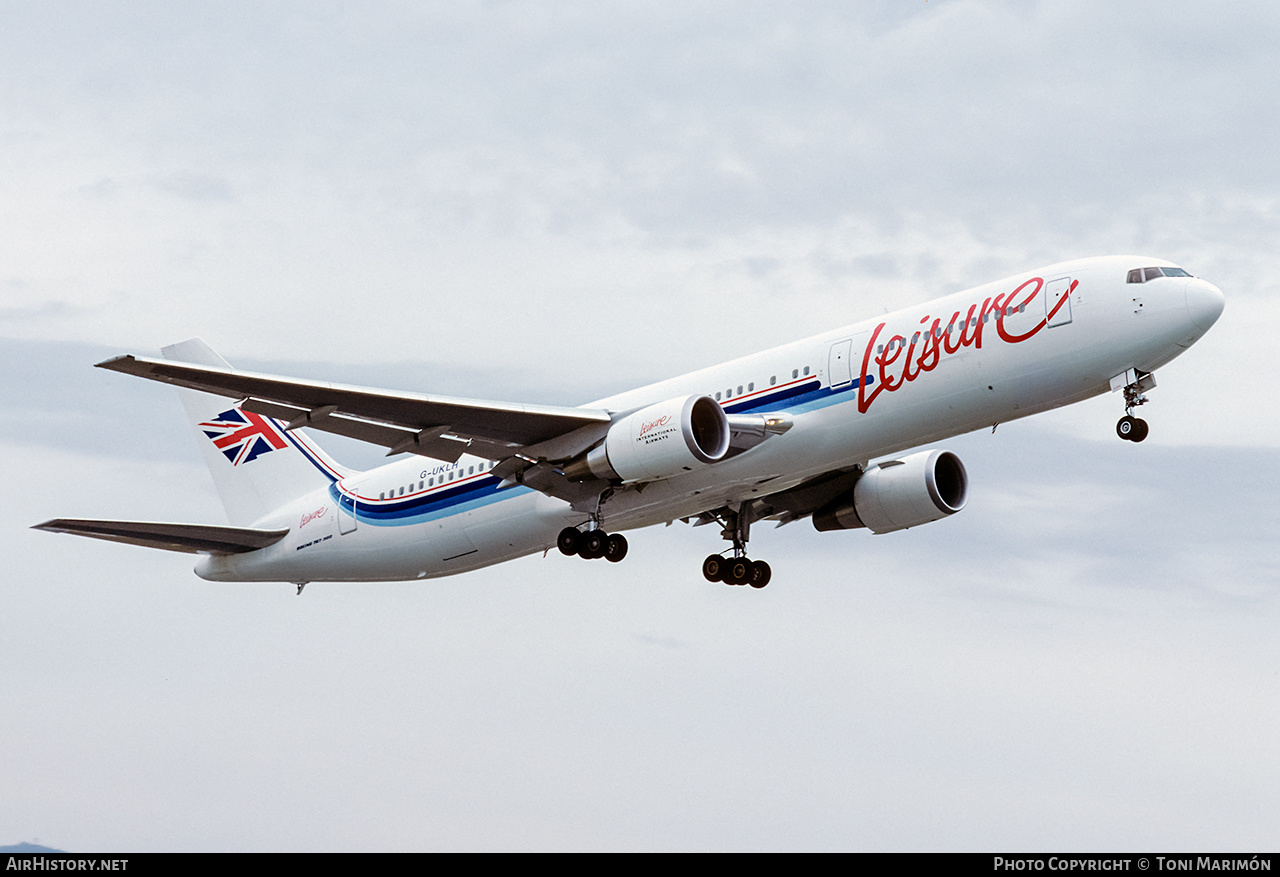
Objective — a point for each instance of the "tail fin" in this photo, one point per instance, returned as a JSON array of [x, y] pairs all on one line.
[[257, 465]]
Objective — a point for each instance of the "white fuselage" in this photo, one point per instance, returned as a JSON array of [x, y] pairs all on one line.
[[998, 352]]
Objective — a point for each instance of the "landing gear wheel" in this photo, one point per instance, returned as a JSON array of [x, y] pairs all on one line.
[[1140, 430], [615, 548], [593, 544], [760, 574], [1125, 427], [737, 571], [568, 541], [713, 568]]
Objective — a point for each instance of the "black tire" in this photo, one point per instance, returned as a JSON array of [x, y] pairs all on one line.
[[568, 541], [761, 573], [615, 548], [1125, 427], [713, 568], [1140, 430], [592, 544], [738, 571]]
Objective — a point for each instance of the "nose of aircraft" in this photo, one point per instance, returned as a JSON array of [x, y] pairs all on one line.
[[1204, 302]]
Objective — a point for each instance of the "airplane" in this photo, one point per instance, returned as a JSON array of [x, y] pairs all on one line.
[[818, 428]]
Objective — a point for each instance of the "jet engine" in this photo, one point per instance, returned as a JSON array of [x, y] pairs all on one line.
[[657, 442], [897, 494]]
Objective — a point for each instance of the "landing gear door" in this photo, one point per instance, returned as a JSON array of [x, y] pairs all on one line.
[[1057, 310]]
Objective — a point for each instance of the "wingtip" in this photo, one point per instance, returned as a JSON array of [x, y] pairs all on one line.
[[115, 362]]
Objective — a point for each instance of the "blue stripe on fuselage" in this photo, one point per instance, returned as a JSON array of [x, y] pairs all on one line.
[[427, 506], [807, 396]]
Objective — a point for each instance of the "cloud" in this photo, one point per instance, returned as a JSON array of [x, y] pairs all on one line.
[[550, 204], [1051, 668]]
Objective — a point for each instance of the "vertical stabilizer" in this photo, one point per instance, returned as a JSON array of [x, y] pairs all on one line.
[[256, 464]]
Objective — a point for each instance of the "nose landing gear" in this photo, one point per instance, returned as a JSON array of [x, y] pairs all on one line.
[[1136, 383], [1132, 429]]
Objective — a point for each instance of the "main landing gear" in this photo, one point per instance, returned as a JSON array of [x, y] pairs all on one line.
[[591, 544], [1130, 428], [736, 570]]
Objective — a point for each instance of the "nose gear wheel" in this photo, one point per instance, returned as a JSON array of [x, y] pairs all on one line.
[[1130, 428]]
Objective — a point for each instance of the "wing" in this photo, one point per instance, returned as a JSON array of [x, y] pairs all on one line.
[[806, 498], [440, 427], [189, 538]]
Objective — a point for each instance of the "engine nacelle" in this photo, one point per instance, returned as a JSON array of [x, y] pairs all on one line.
[[897, 494], [665, 439]]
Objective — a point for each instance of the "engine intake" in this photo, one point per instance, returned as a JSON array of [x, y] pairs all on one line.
[[656, 442], [897, 494]]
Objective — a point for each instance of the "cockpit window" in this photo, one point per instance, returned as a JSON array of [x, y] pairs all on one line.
[[1136, 275]]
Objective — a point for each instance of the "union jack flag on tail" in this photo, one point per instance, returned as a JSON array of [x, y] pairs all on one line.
[[243, 436]]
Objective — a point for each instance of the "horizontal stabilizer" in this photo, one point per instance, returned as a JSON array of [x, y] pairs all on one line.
[[189, 538]]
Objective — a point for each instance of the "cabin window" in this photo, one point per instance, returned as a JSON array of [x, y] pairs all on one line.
[[806, 369], [717, 395], [382, 495], [773, 380], [795, 373], [739, 389], [751, 387]]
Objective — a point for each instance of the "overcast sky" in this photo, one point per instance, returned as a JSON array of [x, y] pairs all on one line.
[[549, 203]]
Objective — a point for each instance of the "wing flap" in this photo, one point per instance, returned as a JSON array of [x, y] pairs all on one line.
[[397, 438], [188, 538]]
